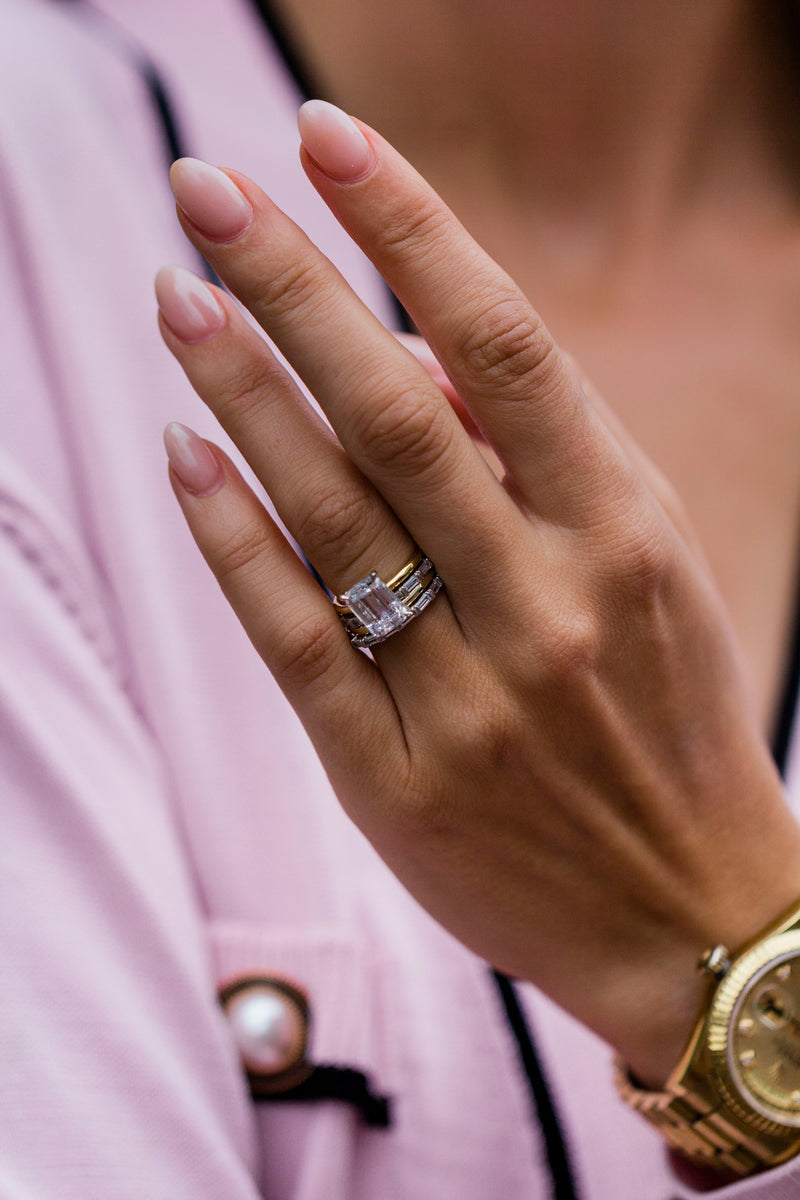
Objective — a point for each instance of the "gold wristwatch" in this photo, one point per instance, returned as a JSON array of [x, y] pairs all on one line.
[[733, 1101]]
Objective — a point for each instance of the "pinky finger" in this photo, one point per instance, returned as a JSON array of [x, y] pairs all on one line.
[[338, 694]]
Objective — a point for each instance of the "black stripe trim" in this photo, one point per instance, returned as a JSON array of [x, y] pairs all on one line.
[[165, 110], [564, 1186], [336, 1083], [120, 41], [298, 68], [787, 709]]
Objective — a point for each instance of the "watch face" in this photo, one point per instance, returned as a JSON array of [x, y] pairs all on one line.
[[763, 1049]]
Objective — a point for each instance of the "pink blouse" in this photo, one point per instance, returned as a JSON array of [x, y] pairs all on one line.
[[166, 828]]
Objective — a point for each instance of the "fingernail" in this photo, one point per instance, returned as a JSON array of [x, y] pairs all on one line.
[[191, 460], [210, 199], [188, 305], [334, 141]]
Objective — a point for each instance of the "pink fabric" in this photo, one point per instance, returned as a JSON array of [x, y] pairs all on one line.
[[165, 824]]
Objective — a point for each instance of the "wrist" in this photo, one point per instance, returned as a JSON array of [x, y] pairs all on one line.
[[733, 1100], [660, 1017], [660, 1007]]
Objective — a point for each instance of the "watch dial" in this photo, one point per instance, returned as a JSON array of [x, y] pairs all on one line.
[[764, 1043]]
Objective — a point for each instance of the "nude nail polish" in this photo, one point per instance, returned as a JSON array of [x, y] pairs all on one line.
[[210, 199], [191, 460], [334, 141], [188, 305]]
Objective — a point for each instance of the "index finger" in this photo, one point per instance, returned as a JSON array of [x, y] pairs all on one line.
[[492, 343]]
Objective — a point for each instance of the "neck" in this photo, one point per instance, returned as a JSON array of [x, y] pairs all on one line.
[[626, 113]]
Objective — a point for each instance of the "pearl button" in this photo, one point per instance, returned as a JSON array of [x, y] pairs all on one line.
[[269, 1022]]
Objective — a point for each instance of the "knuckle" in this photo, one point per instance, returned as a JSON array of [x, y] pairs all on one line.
[[309, 650], [668, 497], [489, 738], [633, 587], [644, 564], [416, 228], [488, 741], [242, 391], [510, 343], [338, 527], [571, 648], [427, 812], [240, 552], [672, 504], [406, 433], [296, 284]]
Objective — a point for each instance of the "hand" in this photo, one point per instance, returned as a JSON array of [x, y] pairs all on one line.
[[559, 757]]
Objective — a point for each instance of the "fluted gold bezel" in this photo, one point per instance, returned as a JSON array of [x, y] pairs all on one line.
[[730, 997]]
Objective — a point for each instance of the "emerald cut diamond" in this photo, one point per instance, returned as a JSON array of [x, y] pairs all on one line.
[[376, 607]]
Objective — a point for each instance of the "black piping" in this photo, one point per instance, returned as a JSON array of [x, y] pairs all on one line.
[[119, 39], [787, 709], [309, 89], [337, 1083], [307, 86], [159, 97], [564, 1185]]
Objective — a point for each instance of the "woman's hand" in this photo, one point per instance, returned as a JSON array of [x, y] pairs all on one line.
[[559, 757]]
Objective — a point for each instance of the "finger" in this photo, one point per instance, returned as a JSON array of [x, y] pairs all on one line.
[[388, 414], [494, 346], [427, 359], [344, 526], [284, 612], [425, 356]]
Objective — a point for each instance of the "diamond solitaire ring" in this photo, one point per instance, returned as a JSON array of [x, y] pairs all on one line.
[[371, 610]]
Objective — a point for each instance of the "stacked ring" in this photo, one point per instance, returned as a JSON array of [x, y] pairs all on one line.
[[371, 610]]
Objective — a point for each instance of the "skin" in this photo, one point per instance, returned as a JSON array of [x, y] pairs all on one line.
[[634, 167], [562, 760]]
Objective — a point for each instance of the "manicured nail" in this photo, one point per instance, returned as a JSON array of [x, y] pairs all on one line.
[[210, 199], [188, 305], [334, 141], [192, 461]]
